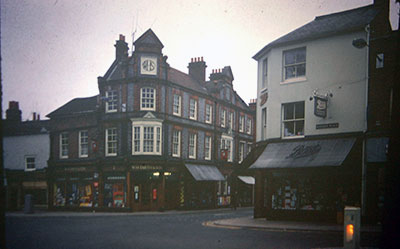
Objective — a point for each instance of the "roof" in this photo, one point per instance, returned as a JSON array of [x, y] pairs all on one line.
[[25, 128], [149, 38], [183, 79], [76, 106], [327, 25]]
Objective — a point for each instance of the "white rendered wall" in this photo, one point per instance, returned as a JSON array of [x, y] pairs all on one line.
[[332, 65], [17, 147]]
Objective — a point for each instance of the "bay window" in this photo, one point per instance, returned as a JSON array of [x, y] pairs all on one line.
[[146, 138]]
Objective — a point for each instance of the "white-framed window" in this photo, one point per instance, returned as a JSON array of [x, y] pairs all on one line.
[[264, 73], [30, 163], [208, 114], [207, 148], [230, 120], [241, 151], [146, 138], [293, 119], [241, 123], [223, 118], [193, 109], [248, 125], [176, 108], [147, 99], [294, 63], [83, 144], [111, 141], [264, 123], [192, 145], [176, 143], [64, 145], [111, 101], [227, 144], [379, 60]]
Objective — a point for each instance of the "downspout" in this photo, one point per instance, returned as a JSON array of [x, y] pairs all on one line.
[[363, 159]]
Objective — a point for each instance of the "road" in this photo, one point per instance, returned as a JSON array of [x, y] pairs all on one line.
[[167, 230]]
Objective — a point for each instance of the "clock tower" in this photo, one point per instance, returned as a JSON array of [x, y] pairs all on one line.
[[148, 54]]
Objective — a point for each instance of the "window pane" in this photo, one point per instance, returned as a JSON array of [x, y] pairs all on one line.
[[300, 55], [299, 128], [136, 139], [301, 70], [289, 57], [289, 129], [148, 139], [288, 111], [299, 109]]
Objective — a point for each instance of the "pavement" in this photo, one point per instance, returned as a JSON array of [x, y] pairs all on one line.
[[234, 223]]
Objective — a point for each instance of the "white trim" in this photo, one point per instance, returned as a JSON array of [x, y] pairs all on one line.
[[107, 102], [209, 147], [80, 144], [154, 99], [194, 145], [26, 163], [294, 120], [156, 135], [61, 145], [211, 113], [179, 105], [106, 142], [195, 109], [179, 143]]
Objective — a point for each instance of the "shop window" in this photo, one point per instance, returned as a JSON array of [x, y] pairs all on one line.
[[293, 119], [115, 195], [147, 99], [64, 145], [59, 194], [81, 193], [111, 101], [146, 138]]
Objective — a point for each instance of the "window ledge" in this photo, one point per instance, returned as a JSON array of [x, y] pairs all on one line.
[[294, 80], [111, 111]]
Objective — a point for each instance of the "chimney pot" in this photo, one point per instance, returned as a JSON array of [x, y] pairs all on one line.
[[121, 37], [191, 60], [38, 117], [202, 58], [34, 116]]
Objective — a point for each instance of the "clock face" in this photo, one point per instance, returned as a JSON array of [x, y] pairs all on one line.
[[148, 65]]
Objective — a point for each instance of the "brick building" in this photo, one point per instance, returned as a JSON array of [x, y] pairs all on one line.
[[154, 138]]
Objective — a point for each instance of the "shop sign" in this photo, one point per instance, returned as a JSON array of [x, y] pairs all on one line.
[[115, 177], [75, 169], [146, 167], [304, 151], [327, 126], [320, 106]]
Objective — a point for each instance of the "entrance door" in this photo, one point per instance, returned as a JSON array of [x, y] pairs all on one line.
[[145, 196]]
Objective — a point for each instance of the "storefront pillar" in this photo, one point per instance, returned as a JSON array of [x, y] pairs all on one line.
[[128, 190], [161, 200], [101, 189], [259, 211]]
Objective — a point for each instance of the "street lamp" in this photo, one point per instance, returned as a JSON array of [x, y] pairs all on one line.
[[360, 43]]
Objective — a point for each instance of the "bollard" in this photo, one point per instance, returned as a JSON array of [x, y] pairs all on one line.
[[352, 226]]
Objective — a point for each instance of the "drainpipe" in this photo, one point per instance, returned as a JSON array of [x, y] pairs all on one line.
[[363, 160]]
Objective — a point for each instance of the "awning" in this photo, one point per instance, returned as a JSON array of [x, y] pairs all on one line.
[[205, 172], [312, 153], [247, 179]]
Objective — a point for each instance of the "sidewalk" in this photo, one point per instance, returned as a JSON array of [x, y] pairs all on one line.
[[262, 223]]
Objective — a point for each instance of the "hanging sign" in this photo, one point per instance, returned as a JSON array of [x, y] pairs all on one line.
[[320, 106]]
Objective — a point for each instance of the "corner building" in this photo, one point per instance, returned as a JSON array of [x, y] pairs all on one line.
[[154, 138]]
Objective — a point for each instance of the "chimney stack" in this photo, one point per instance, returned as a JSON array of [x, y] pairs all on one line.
[[197, 69], [121, 48], [13, 113]]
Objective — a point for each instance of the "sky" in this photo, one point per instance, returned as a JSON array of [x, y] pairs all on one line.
[[53, 50]]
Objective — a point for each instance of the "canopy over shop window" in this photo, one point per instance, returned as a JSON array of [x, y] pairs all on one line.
[[313, 153], [205, 173], [247, 179]]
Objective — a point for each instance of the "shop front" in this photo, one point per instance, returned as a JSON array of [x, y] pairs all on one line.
[[309, 180], [201, 187]]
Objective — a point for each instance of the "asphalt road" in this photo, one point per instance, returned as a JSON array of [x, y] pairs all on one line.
[[182, 230]]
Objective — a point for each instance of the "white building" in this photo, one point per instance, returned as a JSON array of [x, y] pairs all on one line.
[[312, 98]]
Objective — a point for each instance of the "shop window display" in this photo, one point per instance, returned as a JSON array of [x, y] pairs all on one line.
[[59, 195], [301, 194], [114, 195], [82, 194]]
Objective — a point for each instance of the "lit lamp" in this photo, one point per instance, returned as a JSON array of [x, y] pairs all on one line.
[[351, 238]]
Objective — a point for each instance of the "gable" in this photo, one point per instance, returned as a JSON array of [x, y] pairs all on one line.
[[149, 38]]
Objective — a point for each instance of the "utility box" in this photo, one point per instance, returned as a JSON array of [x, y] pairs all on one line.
[[28, 205], [352, 226]]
